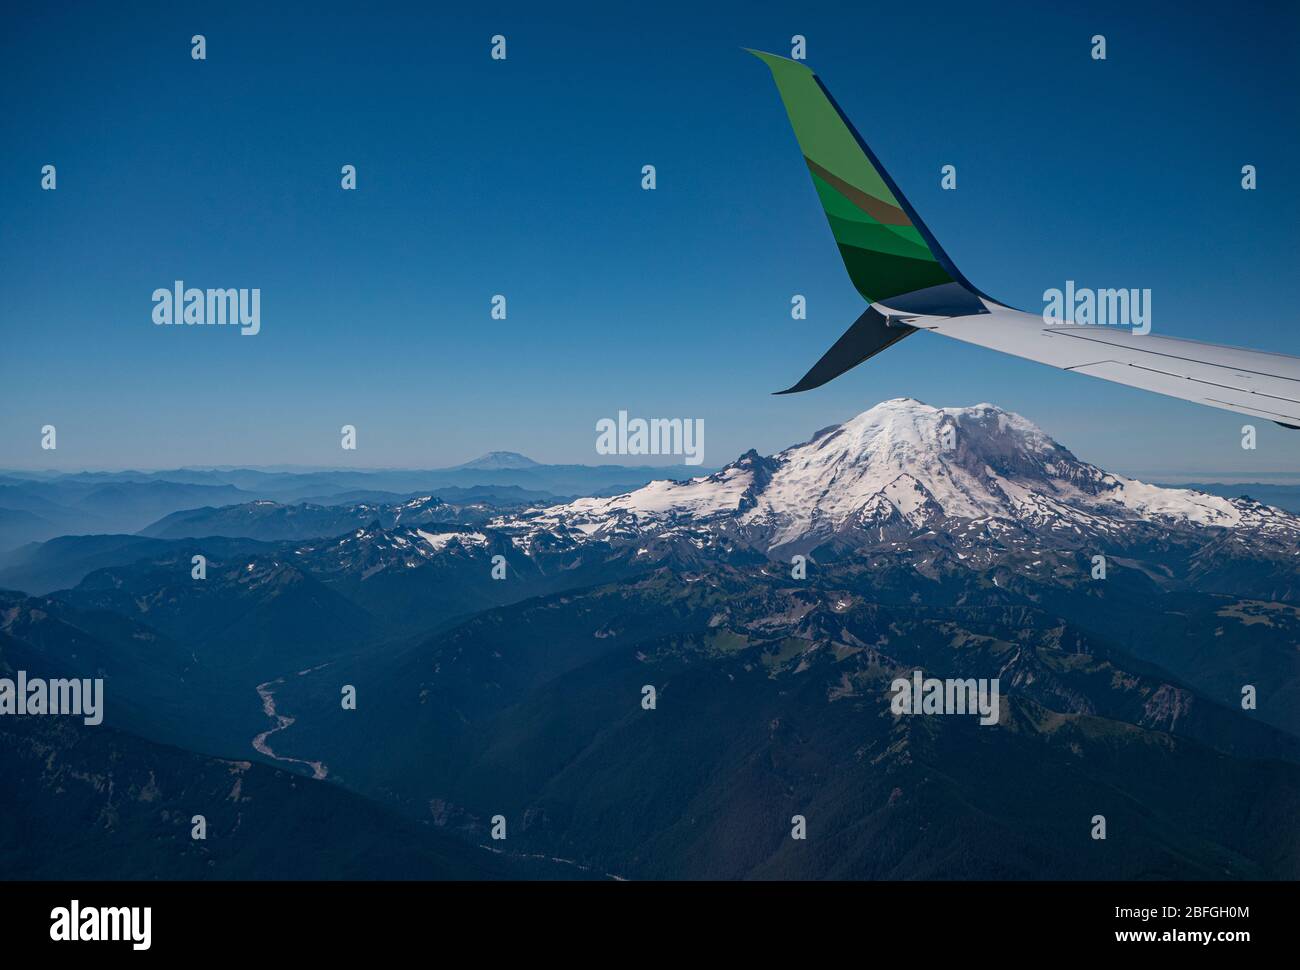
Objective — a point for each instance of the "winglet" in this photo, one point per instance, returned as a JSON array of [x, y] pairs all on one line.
[[886, 249]]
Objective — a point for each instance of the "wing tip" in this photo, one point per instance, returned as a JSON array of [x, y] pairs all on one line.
[[797, 388], [775, 61]]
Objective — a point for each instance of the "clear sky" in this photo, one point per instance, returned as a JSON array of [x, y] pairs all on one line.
[[522, 177]]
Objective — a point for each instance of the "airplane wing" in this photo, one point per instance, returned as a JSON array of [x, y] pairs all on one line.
[[1261, 384], [898, 266]]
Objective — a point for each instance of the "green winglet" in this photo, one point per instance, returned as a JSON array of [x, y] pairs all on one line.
[[884, 252]]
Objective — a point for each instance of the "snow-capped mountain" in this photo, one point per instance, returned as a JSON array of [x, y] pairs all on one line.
[[897, 470], [498, 460], [962, 495]]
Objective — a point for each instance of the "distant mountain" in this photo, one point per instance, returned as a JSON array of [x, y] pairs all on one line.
[[63, 562], [504, 496], [18, 526], [38, 507], [253, 526], [36, 510], [496, 469], [271, 521], [497, 460], [1285, 497], [146, 501]]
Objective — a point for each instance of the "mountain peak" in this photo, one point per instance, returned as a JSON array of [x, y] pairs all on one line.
[[901, 431], [898, 469], [910, 409], [498, 461]]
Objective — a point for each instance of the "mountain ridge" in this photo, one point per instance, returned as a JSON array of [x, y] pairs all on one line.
[[897, 468]]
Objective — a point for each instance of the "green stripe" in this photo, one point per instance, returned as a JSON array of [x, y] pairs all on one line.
[[878, 276], [877, 238]]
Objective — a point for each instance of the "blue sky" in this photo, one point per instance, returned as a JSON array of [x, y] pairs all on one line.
[[522, 177]]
